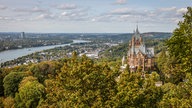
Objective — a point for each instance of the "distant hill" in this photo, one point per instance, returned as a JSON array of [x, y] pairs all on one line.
[[160, 35]]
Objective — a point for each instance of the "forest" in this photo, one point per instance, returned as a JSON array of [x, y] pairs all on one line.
[[83, 82]]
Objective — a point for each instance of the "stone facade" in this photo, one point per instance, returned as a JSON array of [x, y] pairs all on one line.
[[139, 56]]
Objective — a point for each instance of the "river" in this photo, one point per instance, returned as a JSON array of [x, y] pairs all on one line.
[[14, 54]]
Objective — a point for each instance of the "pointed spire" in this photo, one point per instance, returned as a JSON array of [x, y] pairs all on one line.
[[137, 30]]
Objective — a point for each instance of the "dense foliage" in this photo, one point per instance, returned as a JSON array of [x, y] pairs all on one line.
[[77, 82], [11, 82], [180, 44]]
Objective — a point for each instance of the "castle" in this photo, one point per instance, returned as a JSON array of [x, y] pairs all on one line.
[[139, 56]]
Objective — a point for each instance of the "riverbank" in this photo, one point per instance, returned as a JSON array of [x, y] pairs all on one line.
[[90, 49], [9, 55], [33, 46]]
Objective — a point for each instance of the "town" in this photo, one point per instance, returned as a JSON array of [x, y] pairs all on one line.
[[94, 46]]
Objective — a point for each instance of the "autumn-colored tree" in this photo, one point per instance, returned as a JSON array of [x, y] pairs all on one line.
[[87, 84], [30, 93], [1, 83], [55, 94], [45, 70], [8, 102], [81, 83]]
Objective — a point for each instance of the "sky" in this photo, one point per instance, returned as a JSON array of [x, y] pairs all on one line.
[[91, 16]]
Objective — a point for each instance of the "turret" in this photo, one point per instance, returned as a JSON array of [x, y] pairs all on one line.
[[141, 40], [137, 30]]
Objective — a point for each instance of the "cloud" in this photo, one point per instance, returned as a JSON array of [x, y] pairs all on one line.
[[128, 11], [30, 10], [2, 7], [2, 18], [118, 15], [103, 18], [161, 15], [45, 16], [72, 12], [168, 9], [121, 2], [120, 11], [66, 6], [65, 14], [171, 12], [75, 15], [37, 9], [181, 10]]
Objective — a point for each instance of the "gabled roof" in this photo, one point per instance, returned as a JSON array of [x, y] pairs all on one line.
[[149, 52]]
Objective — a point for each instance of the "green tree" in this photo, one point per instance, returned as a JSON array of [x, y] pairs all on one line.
[[1, 102], [44, 70], [162, 60], [129, 92], [177, 95], [11, 82], [30, 94], [135, 91], [170, 70], [81, 83], [180, 44], [87, 84], [55, 94], [153, 94], [1, 83]]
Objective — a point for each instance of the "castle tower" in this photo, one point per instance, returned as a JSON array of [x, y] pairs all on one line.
[[139, 56]]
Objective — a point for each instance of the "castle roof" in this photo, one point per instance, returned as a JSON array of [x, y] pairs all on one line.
[[149, 52]]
